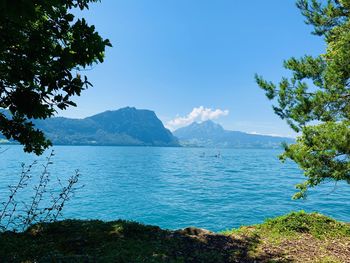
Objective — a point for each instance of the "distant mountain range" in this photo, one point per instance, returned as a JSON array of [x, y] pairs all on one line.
[[126, 126], [210, 134], [133, 127]]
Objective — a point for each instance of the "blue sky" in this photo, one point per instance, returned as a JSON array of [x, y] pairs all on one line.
[[172, 56]]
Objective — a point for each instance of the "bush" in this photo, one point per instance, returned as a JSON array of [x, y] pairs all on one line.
[[45, 202]]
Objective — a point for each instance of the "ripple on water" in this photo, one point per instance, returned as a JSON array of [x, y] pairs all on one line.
[[177, 187]]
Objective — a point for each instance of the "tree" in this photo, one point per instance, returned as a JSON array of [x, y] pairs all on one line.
[[43, 49], [315, 100]]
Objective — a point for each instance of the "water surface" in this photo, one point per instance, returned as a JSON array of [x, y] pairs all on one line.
[[179, 187]]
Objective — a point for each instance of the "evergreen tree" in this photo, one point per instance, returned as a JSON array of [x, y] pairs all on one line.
[[315, 100]]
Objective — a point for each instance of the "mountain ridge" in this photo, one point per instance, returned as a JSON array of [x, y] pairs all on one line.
[[126, 126], [129, 126], [211, 134]]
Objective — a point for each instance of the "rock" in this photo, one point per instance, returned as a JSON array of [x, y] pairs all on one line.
[[193, 231]]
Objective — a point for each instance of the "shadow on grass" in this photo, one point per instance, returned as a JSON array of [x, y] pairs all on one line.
[[123, 241]]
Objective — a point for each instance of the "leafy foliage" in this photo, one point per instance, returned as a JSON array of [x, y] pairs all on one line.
[[43, 47], [315, 100]]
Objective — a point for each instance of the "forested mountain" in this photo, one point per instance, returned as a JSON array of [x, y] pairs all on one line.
[[134, 127], [126, 126], [210, 134]]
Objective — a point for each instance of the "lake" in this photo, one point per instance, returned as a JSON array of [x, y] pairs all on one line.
[[178, 187]]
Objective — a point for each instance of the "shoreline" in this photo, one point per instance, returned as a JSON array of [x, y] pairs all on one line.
[[295, 237]]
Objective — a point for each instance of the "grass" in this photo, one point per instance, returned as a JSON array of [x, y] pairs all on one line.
[[300, 237], [296, 237], [315, 224]]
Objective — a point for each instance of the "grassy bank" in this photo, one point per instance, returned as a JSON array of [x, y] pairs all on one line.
[[296, 237]]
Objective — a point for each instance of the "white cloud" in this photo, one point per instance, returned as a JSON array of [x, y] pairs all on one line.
[[199, 114]]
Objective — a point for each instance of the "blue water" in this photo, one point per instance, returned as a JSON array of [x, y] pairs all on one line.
[[179, 187]]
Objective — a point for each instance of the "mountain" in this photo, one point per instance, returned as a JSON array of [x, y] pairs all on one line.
[[126, 126], [210, 134]]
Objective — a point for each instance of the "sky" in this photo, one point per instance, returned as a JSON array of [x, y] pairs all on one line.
[[194, 60]]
